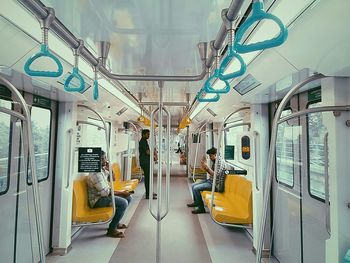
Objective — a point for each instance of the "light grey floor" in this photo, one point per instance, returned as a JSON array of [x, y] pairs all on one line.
[[185, 237]]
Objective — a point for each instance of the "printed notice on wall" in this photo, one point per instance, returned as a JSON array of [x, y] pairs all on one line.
[[89, 160]]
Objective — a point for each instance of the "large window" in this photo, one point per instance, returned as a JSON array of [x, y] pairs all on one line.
[[230, 139], [96, 137], [316, 150], [284, 152], [41, 126], [5, 143]]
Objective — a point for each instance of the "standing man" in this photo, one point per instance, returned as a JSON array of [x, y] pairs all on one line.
[[145, 159]]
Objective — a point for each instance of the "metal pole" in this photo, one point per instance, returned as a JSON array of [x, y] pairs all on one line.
[[271, 160], [326, 185], [108, 153], [36, 197], [195, 156]]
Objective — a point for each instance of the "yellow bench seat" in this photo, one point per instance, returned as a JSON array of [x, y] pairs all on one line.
[[234, 205], [128, 185], [81, 212]]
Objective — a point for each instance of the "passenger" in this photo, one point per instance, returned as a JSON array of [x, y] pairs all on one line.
[[205, 185], [145, 159], [99, 193]]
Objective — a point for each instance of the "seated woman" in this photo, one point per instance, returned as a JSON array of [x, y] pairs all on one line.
[[99, 194]]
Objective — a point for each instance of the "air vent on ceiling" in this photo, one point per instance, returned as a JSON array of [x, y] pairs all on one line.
[[211, 112], [247, 84], [74, 82], [124, 109]]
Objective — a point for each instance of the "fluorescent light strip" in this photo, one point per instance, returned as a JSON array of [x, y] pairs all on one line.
[[15, 12]]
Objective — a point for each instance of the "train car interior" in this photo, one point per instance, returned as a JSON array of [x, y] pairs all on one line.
[[175, 131]]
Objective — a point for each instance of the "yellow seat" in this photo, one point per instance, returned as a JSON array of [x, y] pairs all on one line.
[[235, 204], [135, 170], [118, 184], [82, 213], [198, 171]]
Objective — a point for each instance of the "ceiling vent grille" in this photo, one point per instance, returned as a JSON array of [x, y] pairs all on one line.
[[211, 112], [124, 109]]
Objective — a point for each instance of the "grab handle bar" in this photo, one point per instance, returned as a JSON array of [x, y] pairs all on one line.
[[44, 51], [75, 73], [259, 14], [70, 135], [326, 186]]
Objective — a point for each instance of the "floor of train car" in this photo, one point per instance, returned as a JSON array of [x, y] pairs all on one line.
[[185, 237]]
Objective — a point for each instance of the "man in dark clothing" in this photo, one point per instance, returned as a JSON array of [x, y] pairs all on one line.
[[145, 159]]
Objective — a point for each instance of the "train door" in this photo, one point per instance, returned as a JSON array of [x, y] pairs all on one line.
[[313, 154], [286, 191], [43, 116], [299, 210]]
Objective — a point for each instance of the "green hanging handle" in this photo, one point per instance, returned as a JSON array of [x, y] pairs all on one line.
[[201, 97], [44, 51], [95, 92], [259, 14], [75, 73]]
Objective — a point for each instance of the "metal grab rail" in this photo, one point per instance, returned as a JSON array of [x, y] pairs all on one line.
[[195, 131], [271, 159], [257, 187], [195, 156], [108, 153], [70, 135], [36, 198], [216, 167], [326, 184], [159, 215]]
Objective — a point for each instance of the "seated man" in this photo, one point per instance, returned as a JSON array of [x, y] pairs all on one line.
[[206, 184], [99, 193]]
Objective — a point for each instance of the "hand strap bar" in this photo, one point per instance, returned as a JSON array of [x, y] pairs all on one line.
[[75, 73], [201, 97], [259, 14], [209, 83], [151, 166], [231, 53], [44, 51], [167, 172]]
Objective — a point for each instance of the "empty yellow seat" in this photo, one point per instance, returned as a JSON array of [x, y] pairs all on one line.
[[118, 184], [135, 170], [82, 213], [235, 204]]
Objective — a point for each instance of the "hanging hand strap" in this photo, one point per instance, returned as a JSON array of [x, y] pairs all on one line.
[[44, 51], [201, 97], [75, 73], [231, 53], [259, 14]]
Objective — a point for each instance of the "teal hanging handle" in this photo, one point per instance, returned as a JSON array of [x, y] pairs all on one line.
[[67, 83], [201, 97], [95, 92], [259, 14], [231, 53], [75, 73], [44, 51], [208, 85]]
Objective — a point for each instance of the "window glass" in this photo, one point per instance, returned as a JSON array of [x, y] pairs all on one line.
[[41, 126], [96, 137], [231, 140], [316, 135], [5, 130], [284, 152]]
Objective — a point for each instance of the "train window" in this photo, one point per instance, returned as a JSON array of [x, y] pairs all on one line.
[[230, 140], [41, 125], [316, 133], [284, 153], [5, 142], [96, 137]]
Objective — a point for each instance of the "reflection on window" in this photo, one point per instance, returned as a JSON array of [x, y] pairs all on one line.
[[231, 140], [96, 137], [5, 128], [41, 126], [316, 135], [284, 152]]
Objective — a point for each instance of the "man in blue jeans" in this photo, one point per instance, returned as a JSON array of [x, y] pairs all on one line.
[[99, 193], [205, 185]]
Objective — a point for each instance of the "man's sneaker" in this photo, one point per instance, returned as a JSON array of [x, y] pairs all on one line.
[[191, 205], [114, 233]]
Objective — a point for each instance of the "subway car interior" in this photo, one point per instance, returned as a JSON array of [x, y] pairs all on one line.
[[175, 131]]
